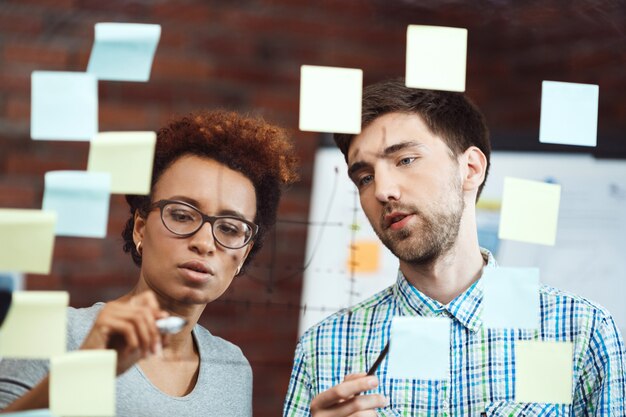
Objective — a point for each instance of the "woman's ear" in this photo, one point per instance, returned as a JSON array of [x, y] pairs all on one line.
[[139, 227], [475, 167], [245, 256]]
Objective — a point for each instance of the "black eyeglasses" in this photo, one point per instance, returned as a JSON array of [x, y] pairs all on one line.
[[184, 220]]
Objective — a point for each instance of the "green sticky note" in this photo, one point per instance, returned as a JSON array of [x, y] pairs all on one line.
[[330, 99], [127, 156], [530, 211], [36, 325], [543, 372], [27, 240], [82, 383], [436, 57]]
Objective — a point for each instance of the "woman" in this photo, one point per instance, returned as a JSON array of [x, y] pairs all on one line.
[[215, 189]]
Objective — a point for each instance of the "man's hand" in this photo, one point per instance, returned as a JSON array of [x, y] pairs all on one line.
[[128, 327], [343, 400]]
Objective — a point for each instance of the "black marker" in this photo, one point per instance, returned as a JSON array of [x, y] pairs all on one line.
[[379, 360]]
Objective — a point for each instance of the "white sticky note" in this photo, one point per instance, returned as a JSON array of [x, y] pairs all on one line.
[[419, 348], [64, 106], [82, 383], [123, 51], [511, 298], [81, 201], [543, 372], [36, 325], [436, 57], [530, 211], [569, 113], [127, 156], [330, 99], [27, 240]]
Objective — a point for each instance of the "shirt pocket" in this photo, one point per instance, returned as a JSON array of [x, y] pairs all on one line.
[[511, 409]]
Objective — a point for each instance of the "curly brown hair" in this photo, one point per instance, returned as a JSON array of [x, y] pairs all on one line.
[[260, 151]]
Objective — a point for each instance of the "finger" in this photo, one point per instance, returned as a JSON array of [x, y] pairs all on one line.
[[139, 320], [351, 377], [126, 329], [144, 322], [362, 405], [344, 391]]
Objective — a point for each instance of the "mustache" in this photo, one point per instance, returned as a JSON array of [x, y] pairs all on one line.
[[389, 208]]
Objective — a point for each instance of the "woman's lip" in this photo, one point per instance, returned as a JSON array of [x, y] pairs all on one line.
[[401, 223], [194, 276]]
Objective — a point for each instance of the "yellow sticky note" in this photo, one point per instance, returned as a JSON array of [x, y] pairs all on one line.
[[364, 257], [436, 57], [82, 383], [127, 156], [36, 325], [330, 99], [530, 211], [543, 372], [27, 240]]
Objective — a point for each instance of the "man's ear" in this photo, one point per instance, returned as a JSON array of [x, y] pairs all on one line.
[[474, 168], [139, 227]]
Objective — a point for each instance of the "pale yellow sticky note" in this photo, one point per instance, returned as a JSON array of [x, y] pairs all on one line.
[[82, 383], [35, 326], [530, 211], [26, 240], [364, 257], [543, 372], [436, 57], [330, 99], [127, 156]]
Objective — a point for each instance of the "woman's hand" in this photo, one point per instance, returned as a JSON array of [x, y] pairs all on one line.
[[129, 327]]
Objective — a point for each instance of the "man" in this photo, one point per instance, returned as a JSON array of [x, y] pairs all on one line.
[[419, 164]]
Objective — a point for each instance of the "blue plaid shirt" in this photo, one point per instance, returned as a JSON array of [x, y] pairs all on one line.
[[482, 361]]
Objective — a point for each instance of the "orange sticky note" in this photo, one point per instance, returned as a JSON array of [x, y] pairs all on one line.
[[364, 257]]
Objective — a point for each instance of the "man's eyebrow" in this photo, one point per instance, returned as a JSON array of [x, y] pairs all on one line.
[[400, 146], [390, 150], [357, 166]]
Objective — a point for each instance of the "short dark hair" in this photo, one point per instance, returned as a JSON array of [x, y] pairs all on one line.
[[451, 116], [260, 151]]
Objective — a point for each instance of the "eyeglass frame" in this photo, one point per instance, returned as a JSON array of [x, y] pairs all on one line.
[[205, 219]]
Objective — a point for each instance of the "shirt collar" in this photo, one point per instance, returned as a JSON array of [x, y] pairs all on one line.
[[465, 308]]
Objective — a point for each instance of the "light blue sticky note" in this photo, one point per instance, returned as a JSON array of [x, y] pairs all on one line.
[[81, 201], [123, 51], [569, 113], [31, 413], [419, 348], [64, 106], [511, 298]]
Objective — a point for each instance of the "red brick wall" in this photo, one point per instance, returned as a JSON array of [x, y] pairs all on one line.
[[246, 55]]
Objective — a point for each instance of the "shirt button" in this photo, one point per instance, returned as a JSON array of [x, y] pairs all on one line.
[[445, 405]]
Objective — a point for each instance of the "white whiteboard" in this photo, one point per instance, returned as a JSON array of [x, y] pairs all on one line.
[[589, 257]]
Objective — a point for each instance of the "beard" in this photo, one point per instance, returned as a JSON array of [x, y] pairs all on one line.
[[432, 237]]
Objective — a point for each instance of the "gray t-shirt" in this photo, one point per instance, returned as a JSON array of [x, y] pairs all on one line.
[[223, 388]]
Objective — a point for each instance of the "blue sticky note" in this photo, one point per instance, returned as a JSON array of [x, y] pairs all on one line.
[[31, 413], [511, 298], [81, 201], [419, 348], [123, 51], [569, 113], [64, 106]]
